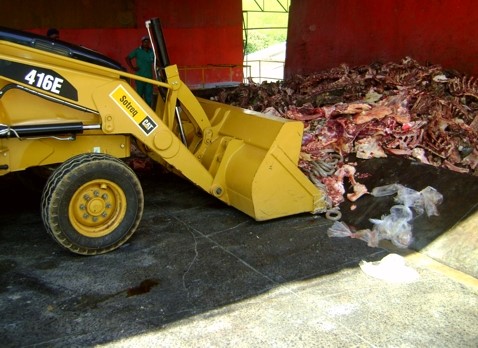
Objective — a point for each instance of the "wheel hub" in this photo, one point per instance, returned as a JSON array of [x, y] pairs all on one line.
[[97, 208]]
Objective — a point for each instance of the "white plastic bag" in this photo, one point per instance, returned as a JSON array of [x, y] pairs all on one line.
[[395, 226], [424, 201], [386, 190], [431, 198], [339, 229], [391, 268]]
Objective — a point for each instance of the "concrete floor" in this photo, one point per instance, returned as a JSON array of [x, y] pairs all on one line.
[[200, 274]]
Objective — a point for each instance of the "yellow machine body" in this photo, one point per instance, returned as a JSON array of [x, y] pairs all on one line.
[[246, 159]]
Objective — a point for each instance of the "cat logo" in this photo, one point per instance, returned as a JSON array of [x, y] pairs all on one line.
[[126, 102]]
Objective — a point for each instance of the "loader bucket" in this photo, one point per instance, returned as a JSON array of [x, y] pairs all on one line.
[[258, 172], [250, 159]]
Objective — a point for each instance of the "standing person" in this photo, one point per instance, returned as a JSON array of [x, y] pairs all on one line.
[[144, 58]]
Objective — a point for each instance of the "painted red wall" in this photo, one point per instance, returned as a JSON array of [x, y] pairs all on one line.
[[198, 33], [323, 34]]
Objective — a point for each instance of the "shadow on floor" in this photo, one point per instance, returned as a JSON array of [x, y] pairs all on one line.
[[191, 254]]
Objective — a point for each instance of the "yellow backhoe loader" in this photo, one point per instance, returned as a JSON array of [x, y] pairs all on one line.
[[74, 108]]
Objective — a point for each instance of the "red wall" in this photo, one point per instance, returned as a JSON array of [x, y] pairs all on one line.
[[197, 33], [323, 33]]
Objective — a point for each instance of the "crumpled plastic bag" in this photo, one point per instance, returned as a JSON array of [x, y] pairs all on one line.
[[392, 268], [386, 190], [395, 226], [391, 227], [341, 229], [424, 201], [431, 198]]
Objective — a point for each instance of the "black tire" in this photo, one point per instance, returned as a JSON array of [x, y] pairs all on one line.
[[92, 204]]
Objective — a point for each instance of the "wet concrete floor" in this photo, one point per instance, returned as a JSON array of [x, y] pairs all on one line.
[[200, 273]]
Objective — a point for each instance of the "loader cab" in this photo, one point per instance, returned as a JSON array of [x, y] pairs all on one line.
[[58, 47]]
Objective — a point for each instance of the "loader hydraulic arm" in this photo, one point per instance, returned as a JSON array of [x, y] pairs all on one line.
[[246, 159]]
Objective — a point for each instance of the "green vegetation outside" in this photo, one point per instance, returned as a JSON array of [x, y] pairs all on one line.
[[264, 28]]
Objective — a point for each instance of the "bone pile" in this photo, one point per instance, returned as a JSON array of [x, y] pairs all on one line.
[[424, 113]]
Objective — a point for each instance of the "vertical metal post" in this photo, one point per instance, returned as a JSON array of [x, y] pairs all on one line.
[[160, 52]]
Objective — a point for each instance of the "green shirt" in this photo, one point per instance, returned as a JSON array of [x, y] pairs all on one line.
[[144, 61]]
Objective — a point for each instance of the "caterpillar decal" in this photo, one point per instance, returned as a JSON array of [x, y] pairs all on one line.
[[129, 106]]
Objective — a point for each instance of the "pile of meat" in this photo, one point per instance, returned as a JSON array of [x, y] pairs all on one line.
[[406, 109]]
